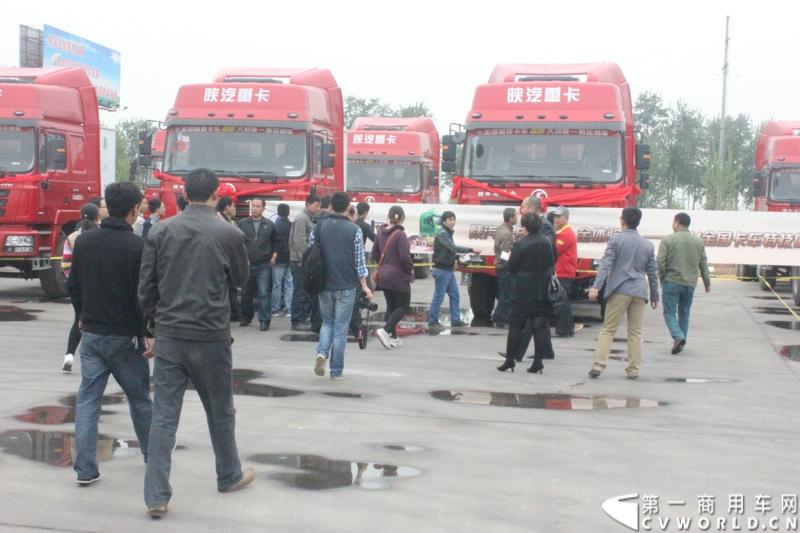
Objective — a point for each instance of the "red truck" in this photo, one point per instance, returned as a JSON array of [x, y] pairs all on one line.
[[564, 133], [393, 160], [268, 132], [49, 168], [776, 187]]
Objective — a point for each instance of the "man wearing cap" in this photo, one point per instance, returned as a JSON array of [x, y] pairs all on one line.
[[566, 270]]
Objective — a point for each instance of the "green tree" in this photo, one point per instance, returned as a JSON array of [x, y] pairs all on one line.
[[128, 144], [356, 106], [416, 109], [740, 144], [721, 185]]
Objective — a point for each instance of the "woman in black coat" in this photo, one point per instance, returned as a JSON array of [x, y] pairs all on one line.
[[531, 266]]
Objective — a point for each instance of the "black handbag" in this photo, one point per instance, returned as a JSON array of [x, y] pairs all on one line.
[[555, 291]]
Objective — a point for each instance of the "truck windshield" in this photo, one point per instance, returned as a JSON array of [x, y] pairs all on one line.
[[238, 151], [549, 154], [369, 175], [17, 149], [785, 185]]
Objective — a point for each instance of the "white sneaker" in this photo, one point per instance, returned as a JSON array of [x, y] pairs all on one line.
[[319, 364], [68, 360], [340, 377], [383, 337], [396, 343]]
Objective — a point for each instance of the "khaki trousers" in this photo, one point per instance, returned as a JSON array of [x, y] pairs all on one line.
[[616, 307]]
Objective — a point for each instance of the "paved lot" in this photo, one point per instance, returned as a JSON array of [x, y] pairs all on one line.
[[486, 462]]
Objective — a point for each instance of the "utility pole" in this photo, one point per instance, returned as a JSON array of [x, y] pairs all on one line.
[[724, 93]]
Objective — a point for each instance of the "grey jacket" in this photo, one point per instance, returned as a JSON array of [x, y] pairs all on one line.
[[628, 258], [298, 237], [189, 264]]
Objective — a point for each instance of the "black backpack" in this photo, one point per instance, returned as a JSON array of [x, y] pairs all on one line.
[[313, 266]]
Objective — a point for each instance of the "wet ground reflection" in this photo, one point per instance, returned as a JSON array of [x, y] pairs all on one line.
[[403, 448], [242, 385], [56, 447], [320, 473], [12, 313], [559, 402], [781, 311], [52, 415], [108, 399], [699, 380], [793, 325]]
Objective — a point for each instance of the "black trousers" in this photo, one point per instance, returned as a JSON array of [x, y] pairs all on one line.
[[397, 305], [524, 318], [74, 337]]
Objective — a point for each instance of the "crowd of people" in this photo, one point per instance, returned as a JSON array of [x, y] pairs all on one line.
[[170, 290]]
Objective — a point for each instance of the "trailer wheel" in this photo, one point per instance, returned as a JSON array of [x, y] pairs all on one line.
[[422, 272], [796, 285], [482, 293], [747, 271], [54, 280], [769, 275]]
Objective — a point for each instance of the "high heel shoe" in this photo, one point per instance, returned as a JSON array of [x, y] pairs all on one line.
[[508, 365], [536, 367]]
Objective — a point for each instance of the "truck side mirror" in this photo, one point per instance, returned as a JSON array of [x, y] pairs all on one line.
[[448, 166], [145, 143], [643, 157], [644, 181], [145, 160], [328, 155], [133, 170], [759, 183], [448, 148]]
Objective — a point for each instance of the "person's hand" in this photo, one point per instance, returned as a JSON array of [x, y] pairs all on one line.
[[149, 344], [708, 289], [593, 294], [273, 260], [80, 325], [367, 293], [654, 304]]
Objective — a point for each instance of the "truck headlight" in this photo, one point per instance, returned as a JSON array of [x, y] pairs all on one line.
[[19, 240]]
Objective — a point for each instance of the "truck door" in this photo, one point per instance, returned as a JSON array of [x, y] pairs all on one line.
[[54, 163]]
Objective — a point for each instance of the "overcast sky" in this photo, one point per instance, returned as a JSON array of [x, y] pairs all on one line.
[[437, 52]]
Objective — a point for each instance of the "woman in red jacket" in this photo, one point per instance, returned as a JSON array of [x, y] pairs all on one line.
[[394, 275]]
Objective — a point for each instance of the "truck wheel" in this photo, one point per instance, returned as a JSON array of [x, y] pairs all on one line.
[[422, 272], [769, 275], [54, 280], [747, 271], [796, 285], [482, 293]]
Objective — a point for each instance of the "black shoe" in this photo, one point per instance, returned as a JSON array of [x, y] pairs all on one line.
[[678, 345], [264, 326], [536, 367], [244, 323], [508, 365], [85, 482], [459, 324], [300, 326], [548, 357], [502, 354]]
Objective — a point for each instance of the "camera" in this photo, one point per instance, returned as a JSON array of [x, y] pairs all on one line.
[[363, 303]]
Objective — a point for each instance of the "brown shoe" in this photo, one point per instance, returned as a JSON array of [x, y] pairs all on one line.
[[248, 476], [633, 375], [157, 511]]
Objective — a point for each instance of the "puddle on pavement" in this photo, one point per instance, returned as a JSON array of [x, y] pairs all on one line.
[[403, 448], [352, 395], [764, 297], [306, 337], [792, 352], [12, 313], [52, 415], [108, 399], [561, 402], [780, 311], [793, 325], [242, 385], [699, 380], [56, 447], [320, 473], [621, 339]]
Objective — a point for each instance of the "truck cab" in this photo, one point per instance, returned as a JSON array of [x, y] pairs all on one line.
[[49, 167], [273, 133], [393, 160], [564, 133]]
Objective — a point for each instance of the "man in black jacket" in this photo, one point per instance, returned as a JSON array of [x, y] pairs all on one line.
[[263, 242], [189, 264], [102, 285]]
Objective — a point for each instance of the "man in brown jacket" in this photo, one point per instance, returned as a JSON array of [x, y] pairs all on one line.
[[503, 242]]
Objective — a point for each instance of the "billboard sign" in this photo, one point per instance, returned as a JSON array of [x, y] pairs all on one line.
[[62, 49]]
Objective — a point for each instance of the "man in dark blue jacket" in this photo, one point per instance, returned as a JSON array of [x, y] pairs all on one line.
[[263, 242], [282, 281], [445, 254]]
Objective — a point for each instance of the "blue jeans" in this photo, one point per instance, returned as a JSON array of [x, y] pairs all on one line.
[[208, 364], [503, 307], [677, 300], [102, 355], [258, 284], [282, 286], [444, 282], [301, 302], [336, 308]]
